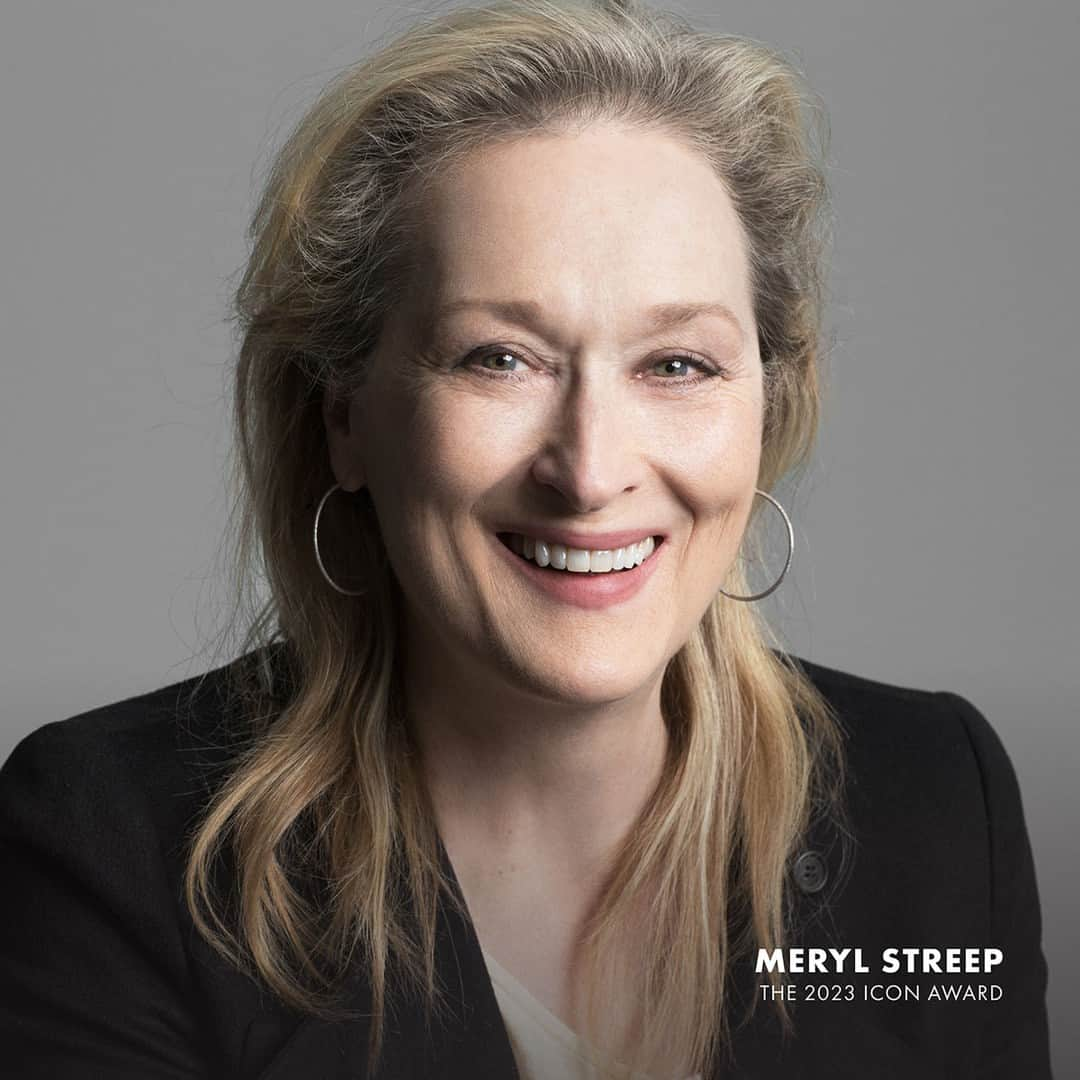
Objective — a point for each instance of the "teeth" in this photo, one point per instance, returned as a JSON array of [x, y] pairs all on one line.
[[580, 561], [577, 561], [600, 562]]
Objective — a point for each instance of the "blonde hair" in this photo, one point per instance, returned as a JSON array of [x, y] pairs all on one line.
[[326, 790]]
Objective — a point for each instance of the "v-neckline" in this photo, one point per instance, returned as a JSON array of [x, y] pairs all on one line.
[[574, 1044], [499, 974]]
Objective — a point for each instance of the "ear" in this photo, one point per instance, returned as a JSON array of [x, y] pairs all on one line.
[[340, 418]]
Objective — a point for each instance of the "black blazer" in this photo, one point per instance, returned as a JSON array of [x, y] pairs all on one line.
[[104, 976]]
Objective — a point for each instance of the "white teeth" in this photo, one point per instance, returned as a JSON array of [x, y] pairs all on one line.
[[600, 562], [579, 561]]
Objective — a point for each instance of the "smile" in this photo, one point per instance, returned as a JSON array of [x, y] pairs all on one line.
[[618, 576], [573, 560]]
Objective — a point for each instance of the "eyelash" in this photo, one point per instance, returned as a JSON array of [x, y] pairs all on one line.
[[706, 369]]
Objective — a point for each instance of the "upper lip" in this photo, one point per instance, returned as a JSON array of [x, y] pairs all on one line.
[[588, 541]]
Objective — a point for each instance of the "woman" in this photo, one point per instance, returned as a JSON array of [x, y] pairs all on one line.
[[508, 780]]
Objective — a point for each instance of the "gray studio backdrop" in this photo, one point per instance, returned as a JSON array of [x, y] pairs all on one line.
[[936, 529]]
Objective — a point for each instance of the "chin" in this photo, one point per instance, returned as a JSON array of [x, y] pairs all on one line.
[[587, 685]]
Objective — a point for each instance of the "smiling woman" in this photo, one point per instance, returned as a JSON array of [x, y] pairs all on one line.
[[509, 780]]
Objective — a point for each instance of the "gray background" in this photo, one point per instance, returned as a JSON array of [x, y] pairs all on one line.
[[936, 528]]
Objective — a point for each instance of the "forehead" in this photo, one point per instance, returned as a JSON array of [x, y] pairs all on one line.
[[613, 215]]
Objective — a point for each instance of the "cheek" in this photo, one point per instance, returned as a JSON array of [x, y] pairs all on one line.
[[714, 464], [458, 452], [457, 443], [428, 467], [713, 471], [405, 448]]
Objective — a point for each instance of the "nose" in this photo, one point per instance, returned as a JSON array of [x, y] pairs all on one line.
[[591, 453]]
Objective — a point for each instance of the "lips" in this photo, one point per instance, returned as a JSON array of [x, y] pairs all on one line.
[[583, 591]]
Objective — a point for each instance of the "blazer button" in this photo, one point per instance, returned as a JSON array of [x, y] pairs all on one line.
[[810, 872]]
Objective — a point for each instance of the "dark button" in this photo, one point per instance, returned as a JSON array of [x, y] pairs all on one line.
[[810, 871]]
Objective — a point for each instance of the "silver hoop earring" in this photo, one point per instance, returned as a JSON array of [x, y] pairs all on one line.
[[790, 553], [318, 557]]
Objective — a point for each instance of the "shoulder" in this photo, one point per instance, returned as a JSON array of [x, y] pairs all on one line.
[[95, 943], [933, 800], [96, 812], [146, 762], [929, 790], [903, 734]]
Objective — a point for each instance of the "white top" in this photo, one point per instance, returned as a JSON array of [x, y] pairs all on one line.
[[544, 1047]]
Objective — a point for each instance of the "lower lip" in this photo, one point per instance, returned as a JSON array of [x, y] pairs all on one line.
[[590, 591]]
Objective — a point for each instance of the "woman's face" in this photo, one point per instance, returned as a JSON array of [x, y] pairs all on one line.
[[535, 381]]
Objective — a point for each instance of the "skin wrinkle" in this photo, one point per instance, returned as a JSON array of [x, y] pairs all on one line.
[[539, 724]]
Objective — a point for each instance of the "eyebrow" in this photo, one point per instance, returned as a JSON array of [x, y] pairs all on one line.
[[658, 317]]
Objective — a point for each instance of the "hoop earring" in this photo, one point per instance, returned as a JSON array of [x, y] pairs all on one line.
[[790, 553], [318, 557]]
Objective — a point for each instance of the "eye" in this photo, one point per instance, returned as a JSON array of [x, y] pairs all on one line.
[[501, 360], [682, 364], [496, 362]]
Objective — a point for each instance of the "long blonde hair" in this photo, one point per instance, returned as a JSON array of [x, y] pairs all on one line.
[[326, 789]]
